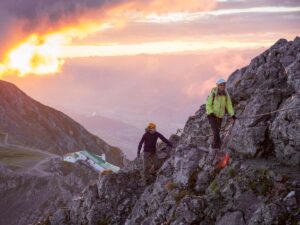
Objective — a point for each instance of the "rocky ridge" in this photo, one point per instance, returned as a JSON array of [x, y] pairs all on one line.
[[29, 195], [261, 184]]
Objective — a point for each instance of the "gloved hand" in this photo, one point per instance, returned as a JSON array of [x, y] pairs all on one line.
[[234, 117], [211, 114]]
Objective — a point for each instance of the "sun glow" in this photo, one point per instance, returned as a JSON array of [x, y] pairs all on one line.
[[36, 56], [41, 55]]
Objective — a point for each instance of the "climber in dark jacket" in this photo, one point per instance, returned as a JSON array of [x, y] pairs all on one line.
[[149, 140]]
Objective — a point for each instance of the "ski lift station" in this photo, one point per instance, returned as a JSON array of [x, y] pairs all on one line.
[[99, 163]]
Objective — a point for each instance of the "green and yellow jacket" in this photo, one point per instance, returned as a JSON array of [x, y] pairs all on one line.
[[219, 104]]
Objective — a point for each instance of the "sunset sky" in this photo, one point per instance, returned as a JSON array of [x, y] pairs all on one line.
[[138, 60]]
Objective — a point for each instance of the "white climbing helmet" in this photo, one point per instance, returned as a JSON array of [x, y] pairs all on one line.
[[221, 81]]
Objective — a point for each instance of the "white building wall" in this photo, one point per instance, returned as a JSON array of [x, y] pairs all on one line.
[[78, 156], [95, 166], [81, 156], [69, 159]]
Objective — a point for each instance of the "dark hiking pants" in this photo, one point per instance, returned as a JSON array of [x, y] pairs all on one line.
[[215, 124], [149, 165]]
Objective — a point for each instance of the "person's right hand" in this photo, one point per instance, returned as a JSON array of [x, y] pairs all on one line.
[[211, 114]]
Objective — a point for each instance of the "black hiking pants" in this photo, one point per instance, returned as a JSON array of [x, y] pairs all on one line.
[[215, 124]]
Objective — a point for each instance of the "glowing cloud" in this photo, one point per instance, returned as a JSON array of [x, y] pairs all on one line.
[[191, 16], [42, 55], [162, 6], [35, 56], [155, 48], [43, 27]]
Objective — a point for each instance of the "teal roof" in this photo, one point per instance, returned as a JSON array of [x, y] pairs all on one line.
[[101, 162], [94, 157]]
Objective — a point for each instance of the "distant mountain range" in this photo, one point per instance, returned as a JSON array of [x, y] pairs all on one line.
[[116, 132], [27, 122]]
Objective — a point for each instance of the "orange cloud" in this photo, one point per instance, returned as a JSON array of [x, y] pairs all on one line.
[[179, 5], [33, 17], [69, 21], [162, 6]]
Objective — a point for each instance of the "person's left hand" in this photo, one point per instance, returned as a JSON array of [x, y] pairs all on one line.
[[234, 117]]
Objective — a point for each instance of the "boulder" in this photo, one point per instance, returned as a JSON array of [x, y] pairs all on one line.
[[232, 218]]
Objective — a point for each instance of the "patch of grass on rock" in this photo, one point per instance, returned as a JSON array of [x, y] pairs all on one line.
[[171, 185]]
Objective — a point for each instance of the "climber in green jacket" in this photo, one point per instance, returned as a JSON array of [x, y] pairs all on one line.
[[218, 102]]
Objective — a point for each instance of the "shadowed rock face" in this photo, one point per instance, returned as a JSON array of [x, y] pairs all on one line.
[[35, 193], [29, 123], [271, 82], [32, 192], [255, 188]]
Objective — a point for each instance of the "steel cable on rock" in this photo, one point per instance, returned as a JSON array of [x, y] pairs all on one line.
[[268, 113], [223, 130]]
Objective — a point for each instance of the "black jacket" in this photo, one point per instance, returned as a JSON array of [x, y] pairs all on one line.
[[149, 140]]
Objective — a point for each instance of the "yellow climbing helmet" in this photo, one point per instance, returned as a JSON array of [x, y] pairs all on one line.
[[151, 126]]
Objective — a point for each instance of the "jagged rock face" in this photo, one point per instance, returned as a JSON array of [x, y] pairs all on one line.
[[285, 133], [27, 197], [190, 190], [115, 196], [29, 123], [269, 83]]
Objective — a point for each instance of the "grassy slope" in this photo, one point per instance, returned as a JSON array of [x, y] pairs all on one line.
[[19, 159]]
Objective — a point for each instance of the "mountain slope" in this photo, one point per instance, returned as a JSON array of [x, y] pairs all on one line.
[[116, 132], [19, 159], [29, 123], [261, 184], [33, 191]]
